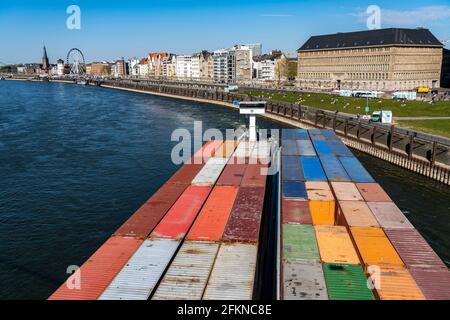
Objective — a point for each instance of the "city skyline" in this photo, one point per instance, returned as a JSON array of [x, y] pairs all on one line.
[[111, 30]]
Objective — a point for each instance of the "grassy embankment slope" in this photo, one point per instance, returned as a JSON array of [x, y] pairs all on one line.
[[357, 106], [436, 127]]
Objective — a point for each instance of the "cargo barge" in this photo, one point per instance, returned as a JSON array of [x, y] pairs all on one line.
[[210, 232], [341, 236], [188, 239]]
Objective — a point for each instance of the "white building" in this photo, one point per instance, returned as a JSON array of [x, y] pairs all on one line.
[[195, 67], [133, 65], [220, 67], [265, 70], [60, 67], [270, 67], [184, 67], [143, 68], [264, 67], [168, 66]]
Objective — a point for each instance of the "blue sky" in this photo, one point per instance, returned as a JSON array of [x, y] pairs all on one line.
[[112, 29]]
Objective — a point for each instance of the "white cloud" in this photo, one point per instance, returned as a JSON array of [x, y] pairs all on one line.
[[416, 17]]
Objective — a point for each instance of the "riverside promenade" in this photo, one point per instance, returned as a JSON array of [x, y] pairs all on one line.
[[415, 151], [418, 152]]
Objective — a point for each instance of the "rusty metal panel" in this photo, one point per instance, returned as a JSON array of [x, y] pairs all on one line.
[[188, 274], [232, 175], [373, 192], [435, 284], [244, 222], [355, 214], [233, 274], [185, 174], [293, 211], [255, 176], [413, 249], [389, 215], [303, 281], [346, 191]]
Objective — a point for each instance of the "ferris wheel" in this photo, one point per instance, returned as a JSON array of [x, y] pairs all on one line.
[[75, 59]]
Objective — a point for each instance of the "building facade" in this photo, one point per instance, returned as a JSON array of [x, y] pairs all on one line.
[[184, 67], [132, 66], [220, 62], [99, 69], [195, 67], [445, 73], [242, 62], [206, 66], [264, 67], [271, 67], [119, 68], [60, 68], [143, 68], [382, 60], [168, 67], [155, 63]]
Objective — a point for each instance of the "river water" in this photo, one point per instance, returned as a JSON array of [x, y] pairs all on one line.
[[77, 161]]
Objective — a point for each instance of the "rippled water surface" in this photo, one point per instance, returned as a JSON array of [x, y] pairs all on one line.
[[77, 161]]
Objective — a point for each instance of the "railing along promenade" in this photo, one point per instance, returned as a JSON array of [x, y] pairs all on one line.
[[416, 151]]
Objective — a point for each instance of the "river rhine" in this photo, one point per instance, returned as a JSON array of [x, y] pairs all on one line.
[[77, 161]]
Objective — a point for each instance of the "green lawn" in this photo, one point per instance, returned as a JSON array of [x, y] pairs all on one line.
[[357, 105], [437, 127]]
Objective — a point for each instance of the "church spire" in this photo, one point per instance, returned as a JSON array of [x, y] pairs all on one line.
[[45, 63]]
